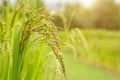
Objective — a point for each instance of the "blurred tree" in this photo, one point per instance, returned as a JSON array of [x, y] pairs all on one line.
[[83, 17], [103, 14], [77, 17], [59, 20], [107, 14]]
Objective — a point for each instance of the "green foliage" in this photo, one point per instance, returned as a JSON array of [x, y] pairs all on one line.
[[29, 31], [103, 48], [85, 71]]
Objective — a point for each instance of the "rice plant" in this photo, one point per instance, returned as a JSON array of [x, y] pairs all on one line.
[[24, 38], [77, 42], [73, 38]]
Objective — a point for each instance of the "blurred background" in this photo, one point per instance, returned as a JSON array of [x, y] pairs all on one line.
[[91, 31]]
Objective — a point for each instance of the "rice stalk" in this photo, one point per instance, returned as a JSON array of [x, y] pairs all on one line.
[[75, 40], [36, 26], [39, 24]]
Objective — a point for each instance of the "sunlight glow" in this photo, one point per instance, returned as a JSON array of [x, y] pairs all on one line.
[[87, 3]]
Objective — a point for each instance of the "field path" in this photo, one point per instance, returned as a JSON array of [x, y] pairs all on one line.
[[77, 70]]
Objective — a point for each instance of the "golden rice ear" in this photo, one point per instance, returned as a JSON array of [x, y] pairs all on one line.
[[41, 24]]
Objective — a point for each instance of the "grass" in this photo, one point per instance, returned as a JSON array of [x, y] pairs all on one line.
[[79, 70], [103, 51], [104, 46]]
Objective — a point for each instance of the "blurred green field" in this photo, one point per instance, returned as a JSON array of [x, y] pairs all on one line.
[[105, 47], [104, 56], [78, 70]]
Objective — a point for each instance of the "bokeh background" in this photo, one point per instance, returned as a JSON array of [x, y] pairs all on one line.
[[90, 30]]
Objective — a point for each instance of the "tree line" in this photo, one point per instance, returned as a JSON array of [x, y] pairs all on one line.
[[104, 14]]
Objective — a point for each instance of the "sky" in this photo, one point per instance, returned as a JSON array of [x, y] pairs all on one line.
[[85, 3], [52, 3], [11, 1]]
